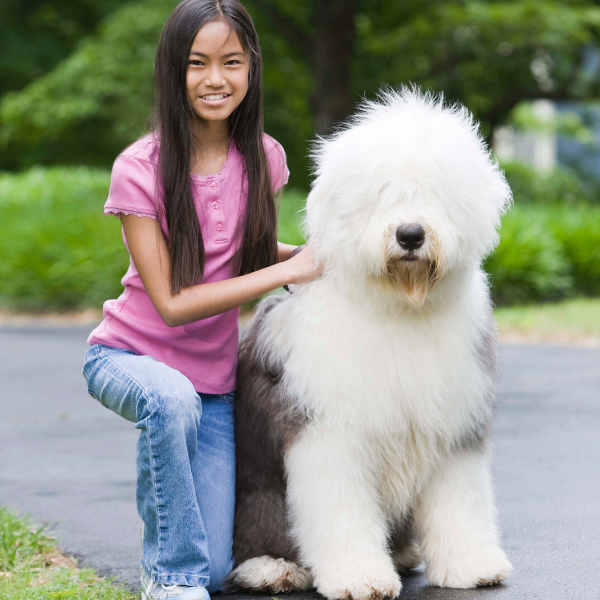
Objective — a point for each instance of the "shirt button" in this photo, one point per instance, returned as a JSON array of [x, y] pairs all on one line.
[[213, 185], [215, 204], [219, 226]]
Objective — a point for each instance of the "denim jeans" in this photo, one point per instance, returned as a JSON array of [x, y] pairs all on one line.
[[185, 464]]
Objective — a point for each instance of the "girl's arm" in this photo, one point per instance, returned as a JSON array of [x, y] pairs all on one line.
[[151, 258]]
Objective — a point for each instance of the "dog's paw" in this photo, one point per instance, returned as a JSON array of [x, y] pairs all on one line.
[[352, 584], [486, 567], [409, 557], [267, 574]]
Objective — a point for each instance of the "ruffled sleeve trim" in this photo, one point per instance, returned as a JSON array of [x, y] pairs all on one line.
[[120, 211]]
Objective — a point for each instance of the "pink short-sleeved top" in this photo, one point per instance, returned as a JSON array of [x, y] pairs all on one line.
[[204, 351]]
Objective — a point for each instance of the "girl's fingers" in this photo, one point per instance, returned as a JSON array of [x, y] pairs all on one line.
[[308, 268]]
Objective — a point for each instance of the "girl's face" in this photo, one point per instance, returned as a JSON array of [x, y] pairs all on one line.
[[217, 72]]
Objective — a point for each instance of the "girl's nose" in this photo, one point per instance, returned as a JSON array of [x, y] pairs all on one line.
[[214, 77]]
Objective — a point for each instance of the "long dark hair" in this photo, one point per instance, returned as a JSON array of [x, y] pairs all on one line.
[[171, 119]]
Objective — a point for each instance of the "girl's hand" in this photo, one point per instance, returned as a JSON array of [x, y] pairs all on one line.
[[303, 267]]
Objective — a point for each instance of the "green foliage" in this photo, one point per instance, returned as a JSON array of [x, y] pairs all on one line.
[[57, 250], [561, 186], [291, 212], [578, 232], [98, 100], [95, 102], [489, 55], [546, 252], [566, 124], [37, 35], [529, 264]]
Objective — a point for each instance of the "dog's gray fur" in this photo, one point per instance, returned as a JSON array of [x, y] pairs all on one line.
[[261, 523]]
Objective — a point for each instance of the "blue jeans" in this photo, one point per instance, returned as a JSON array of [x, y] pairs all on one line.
[[185, 464]]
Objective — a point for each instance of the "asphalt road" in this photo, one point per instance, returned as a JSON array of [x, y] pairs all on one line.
[[68, 461]]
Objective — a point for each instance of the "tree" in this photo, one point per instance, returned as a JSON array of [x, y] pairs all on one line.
[[37, 34], [320, 57]]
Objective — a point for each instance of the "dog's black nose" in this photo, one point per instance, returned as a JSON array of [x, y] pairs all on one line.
[[411, 236]]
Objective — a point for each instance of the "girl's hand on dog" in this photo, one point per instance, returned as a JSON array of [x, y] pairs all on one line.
[[303, 266]]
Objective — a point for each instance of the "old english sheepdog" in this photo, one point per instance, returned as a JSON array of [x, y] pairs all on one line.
[[365, 397]]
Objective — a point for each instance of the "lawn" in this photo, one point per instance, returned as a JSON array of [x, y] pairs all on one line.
[[32, 567], [575, 321]]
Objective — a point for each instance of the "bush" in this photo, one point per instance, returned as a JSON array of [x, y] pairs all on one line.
[[529, 264], [291, 211], [578, 232], [57, 250], [545, 253], [561, 186]]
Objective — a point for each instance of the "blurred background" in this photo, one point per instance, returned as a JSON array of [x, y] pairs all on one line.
[[76, 88]]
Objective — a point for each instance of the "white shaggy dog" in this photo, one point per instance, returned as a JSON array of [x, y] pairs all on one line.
[[365, 397]]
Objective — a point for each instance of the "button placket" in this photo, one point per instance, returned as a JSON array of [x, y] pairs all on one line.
[[216, 205]]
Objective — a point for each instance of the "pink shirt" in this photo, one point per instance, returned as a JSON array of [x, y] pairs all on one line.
[[204, 351]]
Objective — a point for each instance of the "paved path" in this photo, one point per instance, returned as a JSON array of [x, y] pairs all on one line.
[[67, 460]]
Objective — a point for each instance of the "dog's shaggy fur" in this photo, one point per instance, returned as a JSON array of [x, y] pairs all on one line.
[[365, 397]]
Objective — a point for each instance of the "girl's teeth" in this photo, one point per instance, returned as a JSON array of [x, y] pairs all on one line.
[[215, 97]]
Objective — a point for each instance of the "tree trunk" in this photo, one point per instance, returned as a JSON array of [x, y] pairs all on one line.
[[331, 99]]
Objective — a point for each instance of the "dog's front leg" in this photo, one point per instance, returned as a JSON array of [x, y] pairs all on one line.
[[455, 520], [336, 516]]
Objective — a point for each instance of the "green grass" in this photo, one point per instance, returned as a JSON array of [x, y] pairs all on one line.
[[569, 318], [32, 568]]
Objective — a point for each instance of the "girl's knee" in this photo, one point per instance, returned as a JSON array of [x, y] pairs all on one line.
[[174, 400]]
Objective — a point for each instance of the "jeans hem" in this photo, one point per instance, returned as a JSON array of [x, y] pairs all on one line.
[[177, 578]]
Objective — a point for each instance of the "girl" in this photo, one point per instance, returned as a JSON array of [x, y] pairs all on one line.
[[196, 202]]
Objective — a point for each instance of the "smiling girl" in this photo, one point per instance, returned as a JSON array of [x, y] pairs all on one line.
[[196, 202]]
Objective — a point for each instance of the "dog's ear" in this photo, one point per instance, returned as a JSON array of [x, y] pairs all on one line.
[[314, 223]]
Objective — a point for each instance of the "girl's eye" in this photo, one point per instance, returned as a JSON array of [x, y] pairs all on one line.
[[233, 61], [195, 62]]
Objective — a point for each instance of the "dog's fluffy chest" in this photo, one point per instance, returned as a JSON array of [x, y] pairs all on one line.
[[381, 375]]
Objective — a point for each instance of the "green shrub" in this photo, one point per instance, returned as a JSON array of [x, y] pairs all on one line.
[[57, 250], [561, 186], [578, 231], [291, 211], [529, 264]]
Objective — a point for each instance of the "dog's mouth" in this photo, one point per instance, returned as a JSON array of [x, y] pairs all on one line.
[[412, 277]]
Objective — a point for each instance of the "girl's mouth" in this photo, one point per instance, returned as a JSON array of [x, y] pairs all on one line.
[[214, 99]]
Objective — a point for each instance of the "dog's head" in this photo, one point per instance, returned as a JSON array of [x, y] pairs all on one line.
[[405, 193]]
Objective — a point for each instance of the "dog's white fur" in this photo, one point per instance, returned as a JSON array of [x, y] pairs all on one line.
[[383, 356]]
